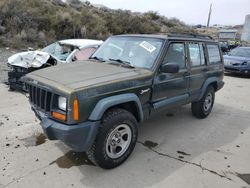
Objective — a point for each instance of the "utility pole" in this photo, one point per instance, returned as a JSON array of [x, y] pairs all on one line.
[[209, 15]]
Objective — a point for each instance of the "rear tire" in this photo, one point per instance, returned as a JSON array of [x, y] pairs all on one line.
[[203, 107], [115, 140]]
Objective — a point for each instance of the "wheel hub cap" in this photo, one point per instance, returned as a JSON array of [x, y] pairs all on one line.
[[118, 141], [208, 102]]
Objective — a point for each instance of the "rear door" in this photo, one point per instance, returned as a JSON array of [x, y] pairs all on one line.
[[198, 68]]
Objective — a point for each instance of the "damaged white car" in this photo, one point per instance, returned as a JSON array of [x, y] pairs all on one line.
[[64, 51]]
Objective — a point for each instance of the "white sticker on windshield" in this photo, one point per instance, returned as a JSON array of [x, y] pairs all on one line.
[[147, 46]]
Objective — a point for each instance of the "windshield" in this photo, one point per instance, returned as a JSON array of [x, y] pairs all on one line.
[[135, 51], [243, 52], [59, 51]]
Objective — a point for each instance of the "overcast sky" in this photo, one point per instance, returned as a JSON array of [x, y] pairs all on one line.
[[227, 12]]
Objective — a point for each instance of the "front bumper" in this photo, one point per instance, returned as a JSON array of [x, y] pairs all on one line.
[[14, 78], [237, 69], [78, 137]]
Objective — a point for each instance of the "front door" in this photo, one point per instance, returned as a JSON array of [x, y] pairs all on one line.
[[171, 89]]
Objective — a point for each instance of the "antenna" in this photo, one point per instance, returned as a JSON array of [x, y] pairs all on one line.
[[209, 15]]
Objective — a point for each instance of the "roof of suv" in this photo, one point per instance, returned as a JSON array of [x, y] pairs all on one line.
[[179, 36]]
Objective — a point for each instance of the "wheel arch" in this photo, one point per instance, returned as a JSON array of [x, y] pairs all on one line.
[[213, 81], [129, 102]]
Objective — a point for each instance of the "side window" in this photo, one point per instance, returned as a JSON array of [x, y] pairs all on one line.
[[85, 53], [196, 53], [176, 54], [213, 53]]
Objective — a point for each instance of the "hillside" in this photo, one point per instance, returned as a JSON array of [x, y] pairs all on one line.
[[39, 22]]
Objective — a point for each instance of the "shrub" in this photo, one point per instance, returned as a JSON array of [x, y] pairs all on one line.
[[39, 22]]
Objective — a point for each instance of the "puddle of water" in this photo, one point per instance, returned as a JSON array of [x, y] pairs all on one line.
[[245, 177], [71, 159], [35, 140], [40, 139], [150, 144], [183, 153]]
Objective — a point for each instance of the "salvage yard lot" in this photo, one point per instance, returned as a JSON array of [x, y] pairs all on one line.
[[174, 148]]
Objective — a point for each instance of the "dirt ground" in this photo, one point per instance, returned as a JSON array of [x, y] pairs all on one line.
[[174, 149]]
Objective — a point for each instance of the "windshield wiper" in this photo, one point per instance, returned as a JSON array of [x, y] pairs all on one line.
[[126, 63], [97, 58]]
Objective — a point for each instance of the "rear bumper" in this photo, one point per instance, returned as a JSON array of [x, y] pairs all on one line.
[[78, 137]]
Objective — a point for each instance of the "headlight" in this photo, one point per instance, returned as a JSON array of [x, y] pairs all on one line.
[[62, 103]]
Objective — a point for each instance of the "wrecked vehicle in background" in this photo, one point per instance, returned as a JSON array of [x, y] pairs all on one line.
[[64, 51]]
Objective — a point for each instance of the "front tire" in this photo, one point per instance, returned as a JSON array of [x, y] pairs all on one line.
[[115, 140], [203, 107]]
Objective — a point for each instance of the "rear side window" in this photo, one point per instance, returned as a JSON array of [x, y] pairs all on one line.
[[213, 53], [196, 54]]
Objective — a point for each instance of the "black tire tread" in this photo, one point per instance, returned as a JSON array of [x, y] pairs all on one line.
[[107, 117], [197, 107]]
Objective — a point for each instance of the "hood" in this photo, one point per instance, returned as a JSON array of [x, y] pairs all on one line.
[[29, 59], [84, 74], [236, 59]]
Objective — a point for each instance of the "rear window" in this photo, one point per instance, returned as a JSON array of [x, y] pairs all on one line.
[[213, 53]]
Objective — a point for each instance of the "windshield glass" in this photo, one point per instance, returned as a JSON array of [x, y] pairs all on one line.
[[136, 51], [59, 51], [243, 52]]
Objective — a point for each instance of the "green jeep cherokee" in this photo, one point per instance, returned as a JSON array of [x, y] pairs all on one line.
[[95, 106]]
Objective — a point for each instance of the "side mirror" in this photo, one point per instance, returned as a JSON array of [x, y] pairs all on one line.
[[170, 68]]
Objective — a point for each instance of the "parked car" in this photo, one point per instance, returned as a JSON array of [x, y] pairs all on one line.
[[96, 106], [238, 61], [64, 51]]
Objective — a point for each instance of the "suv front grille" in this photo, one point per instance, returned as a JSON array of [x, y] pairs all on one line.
[[40, 98]]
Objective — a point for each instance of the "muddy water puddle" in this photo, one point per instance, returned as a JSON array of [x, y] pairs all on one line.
[[150, 144], [71, 159], [34, 140]]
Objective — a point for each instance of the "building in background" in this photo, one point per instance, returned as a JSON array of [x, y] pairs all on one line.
[[228, 35], [246, 31]]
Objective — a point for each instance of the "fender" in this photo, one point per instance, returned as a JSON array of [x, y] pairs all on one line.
[[206, 84], [108, 102]]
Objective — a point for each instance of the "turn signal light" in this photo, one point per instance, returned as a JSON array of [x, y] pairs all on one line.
[[59, 116], [76, 110]]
